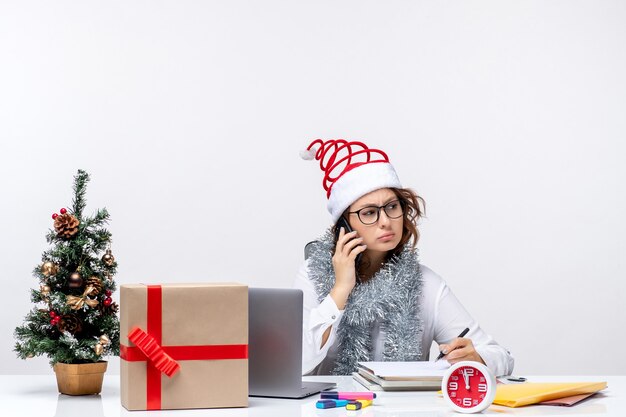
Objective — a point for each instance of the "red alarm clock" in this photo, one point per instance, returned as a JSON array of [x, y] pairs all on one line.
[[468, 387]]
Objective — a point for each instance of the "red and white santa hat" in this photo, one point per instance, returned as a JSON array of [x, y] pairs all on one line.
[[351, 170]]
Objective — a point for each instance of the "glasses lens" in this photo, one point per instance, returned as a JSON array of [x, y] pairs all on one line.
[[368, 215], [393, 209]]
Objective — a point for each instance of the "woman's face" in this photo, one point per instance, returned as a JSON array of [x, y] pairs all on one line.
[[383, 235]]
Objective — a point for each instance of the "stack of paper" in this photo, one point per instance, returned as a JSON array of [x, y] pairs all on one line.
[[396, 376]]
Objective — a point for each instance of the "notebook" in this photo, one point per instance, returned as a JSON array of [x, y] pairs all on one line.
[[395, 376], [275, 345]]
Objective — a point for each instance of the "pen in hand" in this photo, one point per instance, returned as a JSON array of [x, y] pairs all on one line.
[[442, 354]]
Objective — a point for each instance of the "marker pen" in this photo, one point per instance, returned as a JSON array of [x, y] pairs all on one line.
[[340, 395], [329, 403]]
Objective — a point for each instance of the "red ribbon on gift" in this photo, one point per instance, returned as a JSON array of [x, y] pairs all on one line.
[[163, 358]]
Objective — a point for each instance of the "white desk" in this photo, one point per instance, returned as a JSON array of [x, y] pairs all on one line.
[[37, 396]]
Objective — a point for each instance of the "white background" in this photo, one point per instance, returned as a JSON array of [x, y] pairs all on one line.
[[508, 117]]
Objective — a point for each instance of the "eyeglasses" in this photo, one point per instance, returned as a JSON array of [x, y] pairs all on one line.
[[370, 214]]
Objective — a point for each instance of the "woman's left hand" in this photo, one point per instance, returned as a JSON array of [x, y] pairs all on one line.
[[461, 349]]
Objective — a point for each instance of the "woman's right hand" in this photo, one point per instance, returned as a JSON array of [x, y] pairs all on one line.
[[344, 260]]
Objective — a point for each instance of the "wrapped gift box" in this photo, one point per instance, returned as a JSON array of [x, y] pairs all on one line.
[[188, 346]]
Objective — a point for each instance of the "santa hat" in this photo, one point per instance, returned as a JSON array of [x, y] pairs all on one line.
[[351, 170]]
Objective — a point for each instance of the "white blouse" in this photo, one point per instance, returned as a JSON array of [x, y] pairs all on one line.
[[443, 318]]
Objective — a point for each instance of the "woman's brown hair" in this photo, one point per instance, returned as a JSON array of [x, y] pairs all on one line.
[[413, 209]]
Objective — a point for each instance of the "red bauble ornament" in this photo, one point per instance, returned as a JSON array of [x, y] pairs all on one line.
[[63, 211], [54, 216], [108, 293], [52, 314], [107, 301]]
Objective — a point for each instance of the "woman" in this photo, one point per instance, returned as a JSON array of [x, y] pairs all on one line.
[[366, 296]]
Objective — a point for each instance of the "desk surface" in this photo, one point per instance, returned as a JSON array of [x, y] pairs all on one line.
[[36, 395]]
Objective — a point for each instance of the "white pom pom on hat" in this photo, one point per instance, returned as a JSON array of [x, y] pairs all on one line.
[[307, 155], [351, 170]]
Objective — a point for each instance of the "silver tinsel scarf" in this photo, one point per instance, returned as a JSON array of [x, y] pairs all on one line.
[[390, 296]]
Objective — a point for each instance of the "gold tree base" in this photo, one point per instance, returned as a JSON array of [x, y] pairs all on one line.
[[80, 379]]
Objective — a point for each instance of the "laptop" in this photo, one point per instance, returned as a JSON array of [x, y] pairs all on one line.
[[275, 345]]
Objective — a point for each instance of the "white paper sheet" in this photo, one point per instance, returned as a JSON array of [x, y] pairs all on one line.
[[407, 369]]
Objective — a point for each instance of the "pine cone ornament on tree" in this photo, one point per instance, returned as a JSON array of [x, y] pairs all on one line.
[[112, 308], [96, 283], [70, 323], [66, 225]]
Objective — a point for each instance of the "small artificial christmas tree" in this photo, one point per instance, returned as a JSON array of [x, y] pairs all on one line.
[[74, 320]]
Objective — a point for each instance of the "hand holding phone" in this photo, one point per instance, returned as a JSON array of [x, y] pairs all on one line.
[[348, 249], [343, 223]]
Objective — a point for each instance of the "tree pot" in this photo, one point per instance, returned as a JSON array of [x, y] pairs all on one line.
[[81, 378]]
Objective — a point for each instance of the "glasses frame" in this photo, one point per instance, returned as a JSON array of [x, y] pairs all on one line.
[[378, 208]]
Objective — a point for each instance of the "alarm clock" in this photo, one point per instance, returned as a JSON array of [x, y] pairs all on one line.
[[468, 387]]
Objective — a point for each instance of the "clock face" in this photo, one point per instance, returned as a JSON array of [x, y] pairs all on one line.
[[469, 387]]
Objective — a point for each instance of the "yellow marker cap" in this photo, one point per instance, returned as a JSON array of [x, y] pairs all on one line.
[[358, 404]]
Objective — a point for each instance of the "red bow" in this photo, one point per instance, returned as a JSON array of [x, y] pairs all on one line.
[[153, 351]]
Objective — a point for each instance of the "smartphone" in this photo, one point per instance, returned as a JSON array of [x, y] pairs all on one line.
[[342, 222]]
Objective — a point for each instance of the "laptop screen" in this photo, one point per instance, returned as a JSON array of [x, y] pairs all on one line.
[[275, 340]]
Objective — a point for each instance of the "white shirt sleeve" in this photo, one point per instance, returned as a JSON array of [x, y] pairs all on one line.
[[316, 318], [450, 318]]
